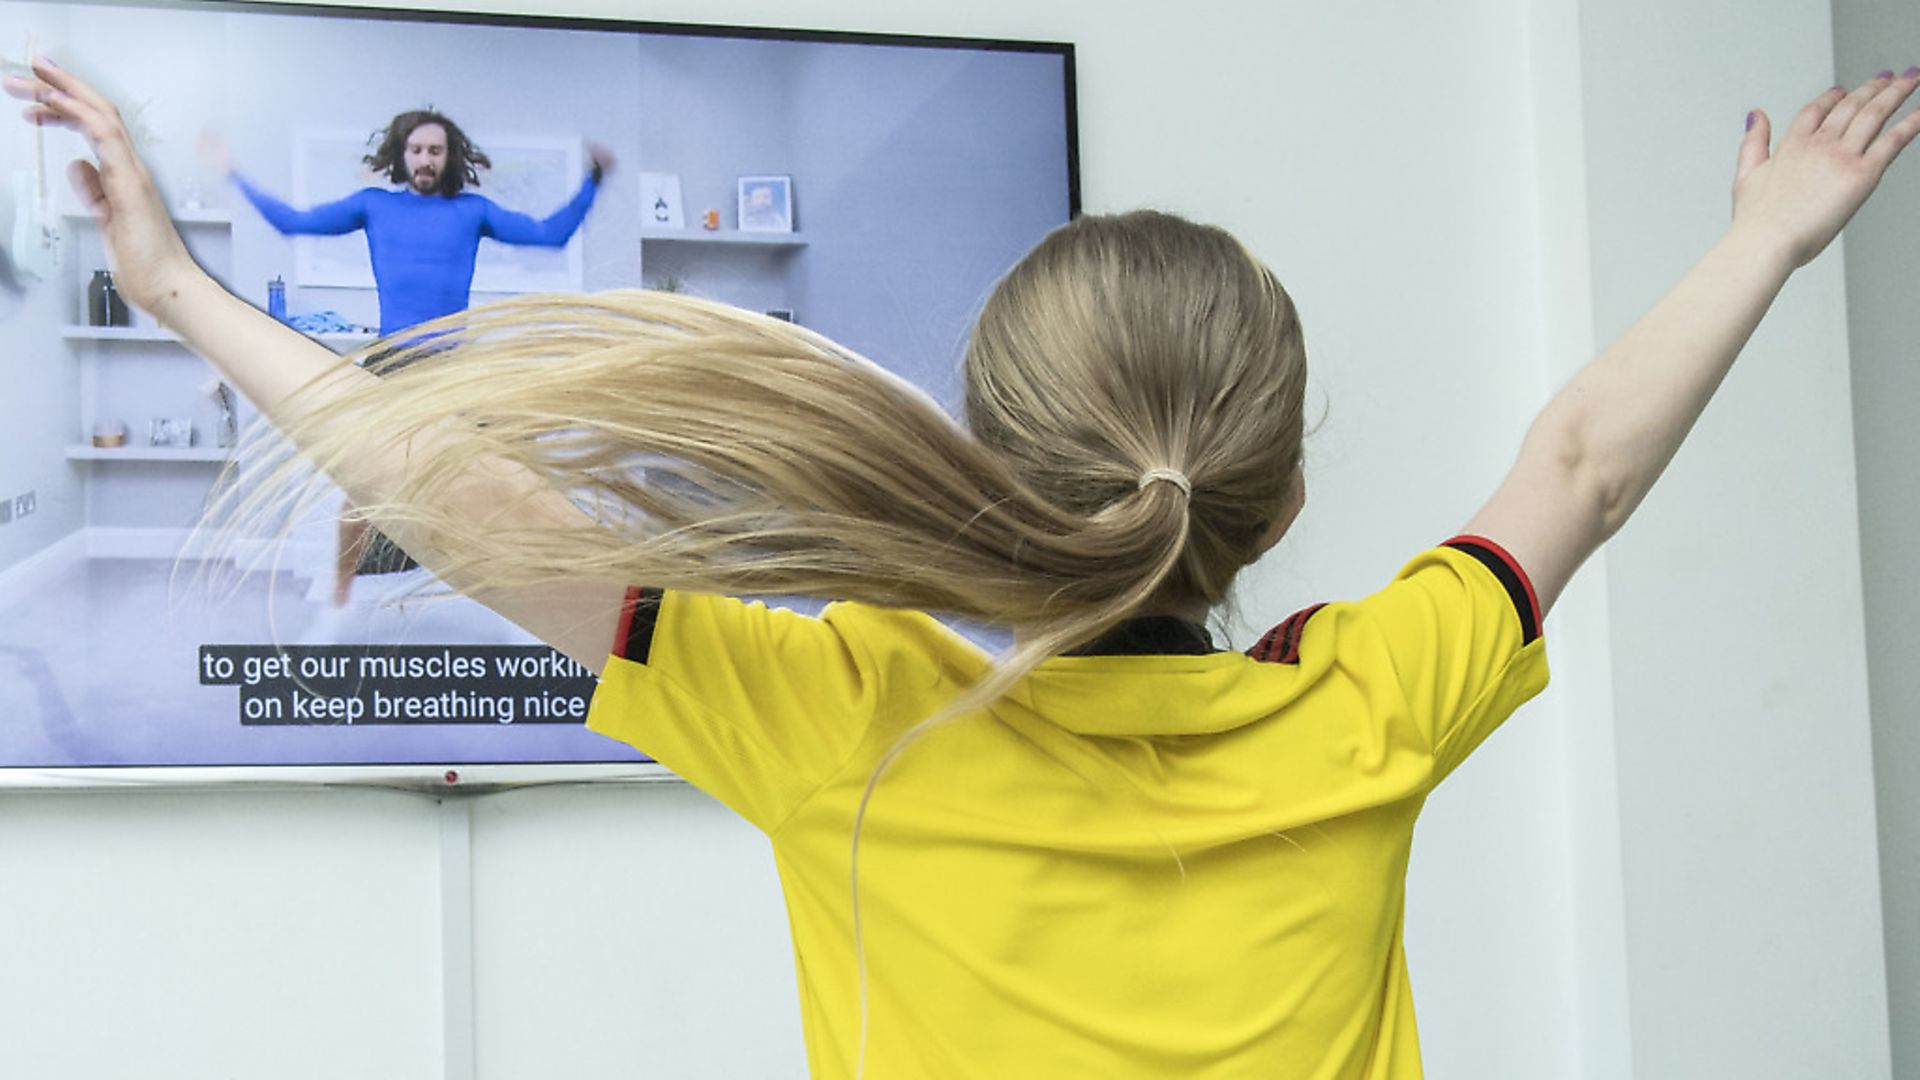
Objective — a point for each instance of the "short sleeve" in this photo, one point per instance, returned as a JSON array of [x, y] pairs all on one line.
[[756, 706], [1459, 627]]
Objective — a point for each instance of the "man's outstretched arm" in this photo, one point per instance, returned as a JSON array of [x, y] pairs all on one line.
[[554, 230], [327, 219]]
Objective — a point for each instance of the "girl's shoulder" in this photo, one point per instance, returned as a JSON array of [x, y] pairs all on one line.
[[904, 635]]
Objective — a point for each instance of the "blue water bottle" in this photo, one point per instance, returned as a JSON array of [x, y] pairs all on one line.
[[277, 298]]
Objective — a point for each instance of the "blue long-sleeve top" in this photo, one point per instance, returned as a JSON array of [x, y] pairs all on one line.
[[423, 246]]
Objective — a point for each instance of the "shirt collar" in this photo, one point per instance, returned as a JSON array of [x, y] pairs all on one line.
[[1151, 635]]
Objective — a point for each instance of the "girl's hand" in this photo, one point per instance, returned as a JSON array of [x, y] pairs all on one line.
[[1826, 165], [144, 251]]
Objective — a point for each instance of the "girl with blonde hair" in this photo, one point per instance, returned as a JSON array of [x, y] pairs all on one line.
[[1114, 850]]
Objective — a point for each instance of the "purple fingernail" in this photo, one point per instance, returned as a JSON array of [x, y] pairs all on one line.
[[1910, 72], [1836, 86], [1885, 74], [1750, 121]]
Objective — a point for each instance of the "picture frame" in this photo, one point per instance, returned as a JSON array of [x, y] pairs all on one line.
[[660, 205], [766, 204], [170, 431]]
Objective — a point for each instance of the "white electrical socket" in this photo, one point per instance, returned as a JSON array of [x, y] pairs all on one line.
[[23, 505]]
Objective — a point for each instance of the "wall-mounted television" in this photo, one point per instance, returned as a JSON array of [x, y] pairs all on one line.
[[869, 187]]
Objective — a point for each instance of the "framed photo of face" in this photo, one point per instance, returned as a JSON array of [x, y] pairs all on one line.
[[766, 204]]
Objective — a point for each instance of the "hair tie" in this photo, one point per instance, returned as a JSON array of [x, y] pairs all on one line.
[[1173, 476]]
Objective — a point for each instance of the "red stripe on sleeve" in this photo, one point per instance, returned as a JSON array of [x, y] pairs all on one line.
[[1281, 645], [1513, 564], [1299, 632], [625, 627]]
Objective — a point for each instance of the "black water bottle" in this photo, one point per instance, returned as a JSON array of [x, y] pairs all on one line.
[[117, 313], [97, 291]]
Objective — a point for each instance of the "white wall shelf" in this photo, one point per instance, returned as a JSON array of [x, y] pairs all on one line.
[[184, 217], [725, 237], [117, 333], [85, 452]]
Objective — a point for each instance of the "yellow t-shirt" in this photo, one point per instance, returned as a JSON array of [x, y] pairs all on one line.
[[1131, 866]]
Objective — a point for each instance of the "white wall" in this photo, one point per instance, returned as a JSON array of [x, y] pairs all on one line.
[[1739, 673], [1884, 326], [1462, 199], [291, 934]]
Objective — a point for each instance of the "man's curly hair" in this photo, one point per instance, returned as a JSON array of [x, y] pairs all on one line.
[[464, 160]]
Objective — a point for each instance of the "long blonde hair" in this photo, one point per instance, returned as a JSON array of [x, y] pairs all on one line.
[[726, 452]]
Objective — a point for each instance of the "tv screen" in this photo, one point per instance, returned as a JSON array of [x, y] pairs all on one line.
[[871, 188]]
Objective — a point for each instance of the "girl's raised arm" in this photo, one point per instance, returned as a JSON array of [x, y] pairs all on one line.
[[1599, 445], [269, 362]]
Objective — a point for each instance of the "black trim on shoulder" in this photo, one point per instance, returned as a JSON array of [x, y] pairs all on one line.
[[1151, 635], [633, 639], [1512, 577], [1281, 645]]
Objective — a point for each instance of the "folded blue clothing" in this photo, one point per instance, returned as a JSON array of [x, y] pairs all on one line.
[[325, 322]]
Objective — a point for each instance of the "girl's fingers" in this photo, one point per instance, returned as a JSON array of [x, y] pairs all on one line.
[[40, 114], [1872, 116], [1893, 140], [1842, 114], [1809, 119], [86, 184], [21, 87], [70, 84], [46, 99], [66, 101], [49, 106], [79, 106], [1753, 148]]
